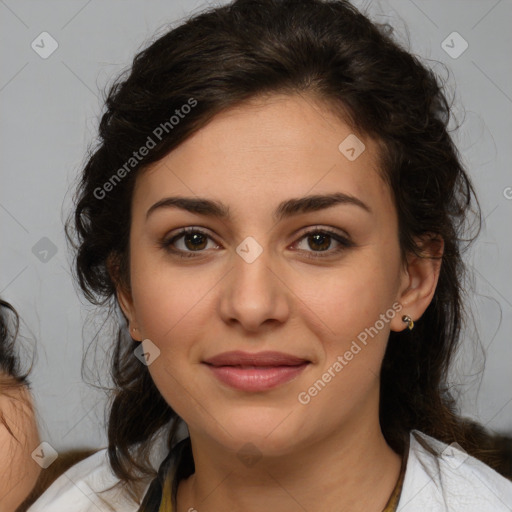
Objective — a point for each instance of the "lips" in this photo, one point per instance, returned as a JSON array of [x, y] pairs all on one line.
[[257, 372], [258, 359]]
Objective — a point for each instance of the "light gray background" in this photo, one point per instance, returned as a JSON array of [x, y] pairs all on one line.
[[50, 111]]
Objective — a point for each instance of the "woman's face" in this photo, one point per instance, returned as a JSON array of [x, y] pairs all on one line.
[[253, 281]]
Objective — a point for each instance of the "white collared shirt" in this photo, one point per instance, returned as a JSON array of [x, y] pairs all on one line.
[[451, 481]]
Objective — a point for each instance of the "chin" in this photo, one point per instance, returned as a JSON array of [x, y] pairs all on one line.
[[270, 431]]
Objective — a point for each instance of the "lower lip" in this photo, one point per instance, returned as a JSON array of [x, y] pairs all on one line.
[[256, 379]]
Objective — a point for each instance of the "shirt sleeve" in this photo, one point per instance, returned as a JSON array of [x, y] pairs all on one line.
[[89, 486]]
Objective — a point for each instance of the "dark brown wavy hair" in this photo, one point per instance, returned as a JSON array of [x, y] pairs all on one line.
[[12, 374], [330, 52]]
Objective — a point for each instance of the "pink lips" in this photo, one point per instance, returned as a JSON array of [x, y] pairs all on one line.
[[257, 371]]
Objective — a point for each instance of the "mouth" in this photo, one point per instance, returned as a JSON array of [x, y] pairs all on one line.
[[258, 359], [255, 372]]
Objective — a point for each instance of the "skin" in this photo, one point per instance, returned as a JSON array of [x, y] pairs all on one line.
[[19, 475], [329, 454]]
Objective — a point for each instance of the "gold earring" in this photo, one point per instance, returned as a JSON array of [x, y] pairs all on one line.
[[409, 321]]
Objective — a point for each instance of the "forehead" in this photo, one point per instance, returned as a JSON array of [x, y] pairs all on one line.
[[277, 146]]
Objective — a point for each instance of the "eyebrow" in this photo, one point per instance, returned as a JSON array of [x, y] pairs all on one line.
[[288, 208]]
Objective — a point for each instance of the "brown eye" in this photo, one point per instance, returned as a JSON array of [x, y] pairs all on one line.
[[320, 241], [186, 242], [194, 241]]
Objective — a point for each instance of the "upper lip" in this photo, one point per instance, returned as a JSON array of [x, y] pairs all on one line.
[[268, 358]]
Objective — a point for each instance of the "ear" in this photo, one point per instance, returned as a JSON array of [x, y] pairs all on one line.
[[419, 280], [124, 296]]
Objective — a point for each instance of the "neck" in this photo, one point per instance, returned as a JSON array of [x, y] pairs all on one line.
[[352, 470]]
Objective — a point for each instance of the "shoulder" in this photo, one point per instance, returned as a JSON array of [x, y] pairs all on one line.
[[89, 486], [451, 480]]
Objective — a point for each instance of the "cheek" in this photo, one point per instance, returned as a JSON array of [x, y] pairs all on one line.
[[166, 298], [345, 301], [168, 307], [353, 340], [173, 310], [348, 305]]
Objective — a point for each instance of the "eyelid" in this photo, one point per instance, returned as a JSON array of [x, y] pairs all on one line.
[[324, 229]]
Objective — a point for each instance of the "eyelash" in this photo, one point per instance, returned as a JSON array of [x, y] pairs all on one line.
[[344, 242]]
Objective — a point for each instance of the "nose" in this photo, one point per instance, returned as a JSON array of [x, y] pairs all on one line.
[[253, 293]]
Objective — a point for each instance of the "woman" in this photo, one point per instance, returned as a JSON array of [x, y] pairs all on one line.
[[18, 428], [277, 208]]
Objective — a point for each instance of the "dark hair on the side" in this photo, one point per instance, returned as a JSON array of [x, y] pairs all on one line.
[[329, 52], [11, 374]]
